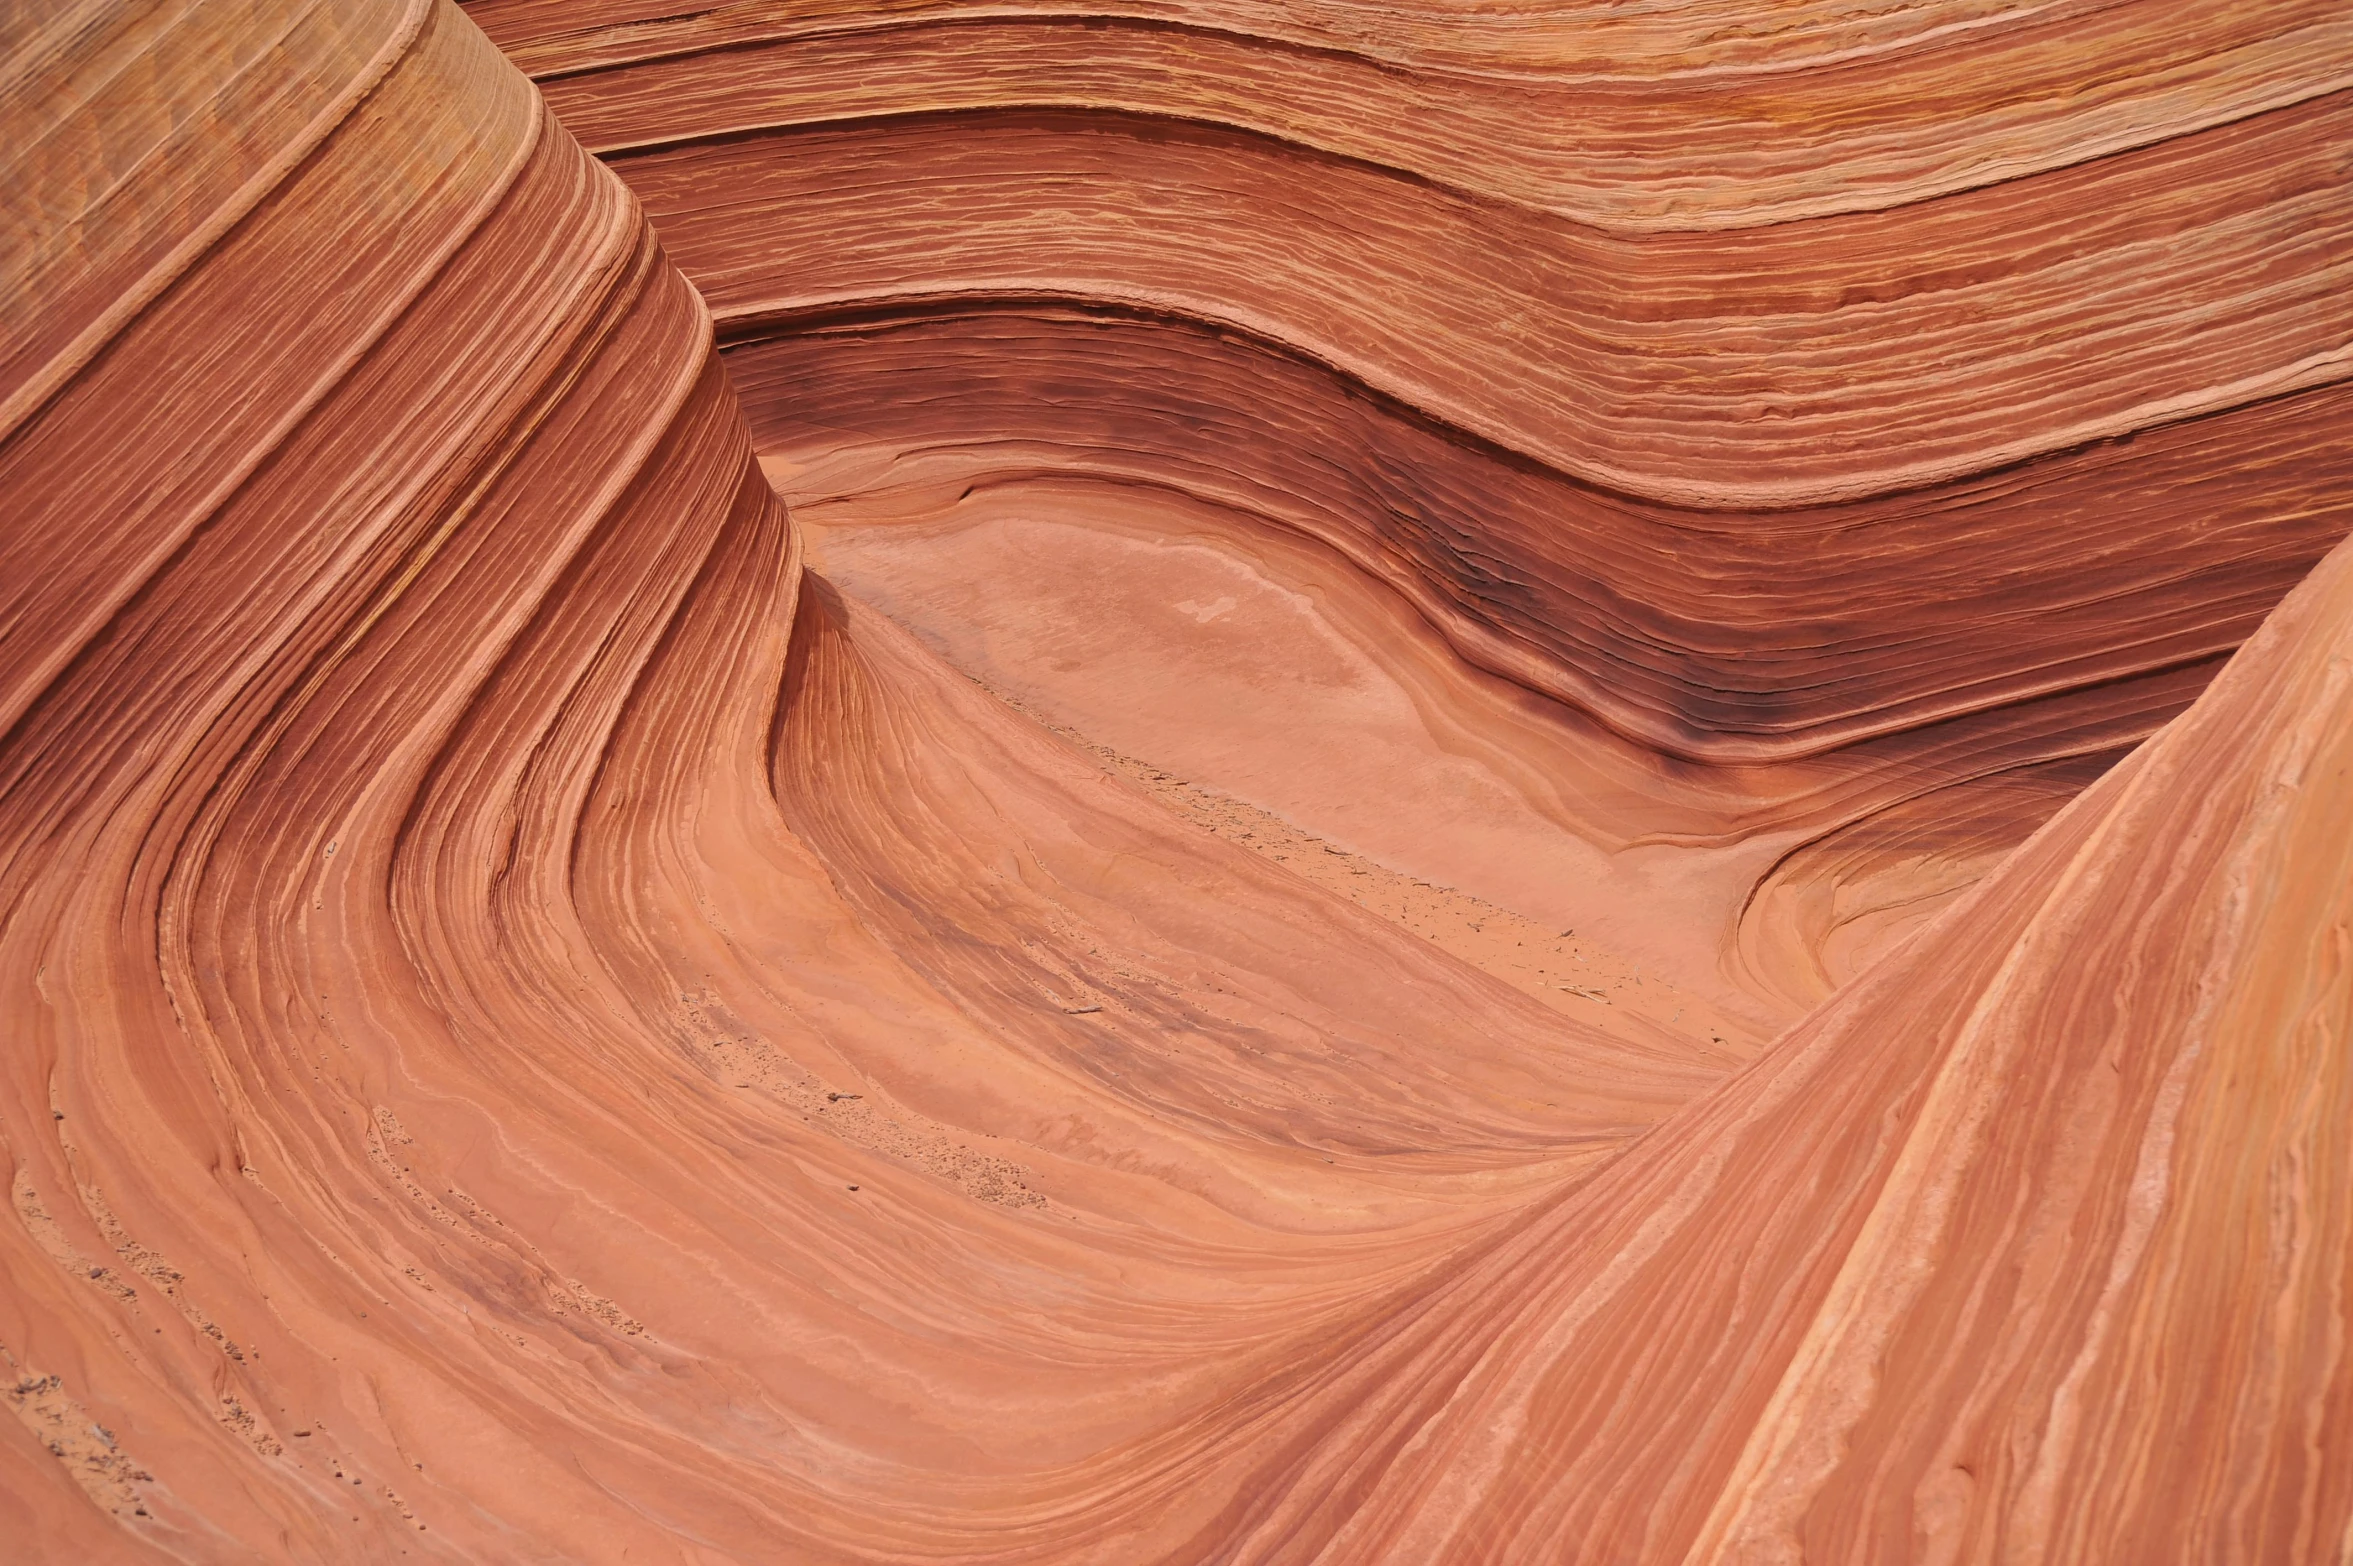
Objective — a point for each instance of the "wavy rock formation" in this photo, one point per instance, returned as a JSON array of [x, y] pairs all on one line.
[[541, 1029], [1859, 403]]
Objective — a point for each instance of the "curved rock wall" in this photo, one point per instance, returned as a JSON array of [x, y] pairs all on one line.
[[1810, 399], [538, 1030], [2027, 1245], [1742, 384]]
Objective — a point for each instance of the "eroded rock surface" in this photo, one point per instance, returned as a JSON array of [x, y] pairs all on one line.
[[1210, 782]]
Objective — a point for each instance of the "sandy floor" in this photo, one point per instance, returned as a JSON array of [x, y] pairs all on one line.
[[1280, 702], [1573, 975]]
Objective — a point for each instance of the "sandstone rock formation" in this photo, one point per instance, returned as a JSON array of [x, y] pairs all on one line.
[[1500, 826], [1864, 404]]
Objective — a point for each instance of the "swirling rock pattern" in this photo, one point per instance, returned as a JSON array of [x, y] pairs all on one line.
[[1720, 271], [540, 1028], [1858, 402]]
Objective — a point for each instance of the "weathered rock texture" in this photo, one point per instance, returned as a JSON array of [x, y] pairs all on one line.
[[1917, 393], [537, 1029]]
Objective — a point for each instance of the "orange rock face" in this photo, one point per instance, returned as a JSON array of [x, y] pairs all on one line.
[[1216, 782]]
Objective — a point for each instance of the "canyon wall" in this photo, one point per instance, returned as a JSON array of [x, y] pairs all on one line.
[[1760, 389], [540, 1028], [1881, 409]]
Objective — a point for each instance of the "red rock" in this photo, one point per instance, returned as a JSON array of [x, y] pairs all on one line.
[[1572, 974]]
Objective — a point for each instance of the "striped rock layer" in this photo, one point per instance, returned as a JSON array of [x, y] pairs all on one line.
[[539, 1028], [1881, 408]]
